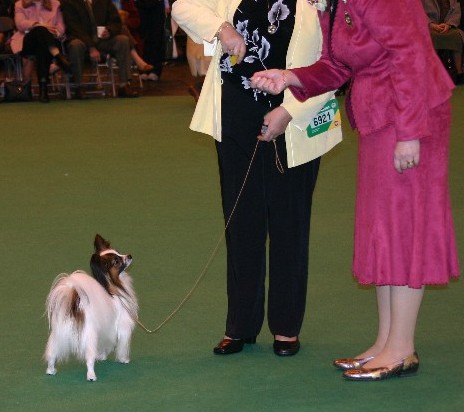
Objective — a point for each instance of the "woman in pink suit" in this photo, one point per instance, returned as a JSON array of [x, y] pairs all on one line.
[[399, 103]]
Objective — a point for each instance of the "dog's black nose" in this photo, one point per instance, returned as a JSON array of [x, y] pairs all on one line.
[[129, 256]]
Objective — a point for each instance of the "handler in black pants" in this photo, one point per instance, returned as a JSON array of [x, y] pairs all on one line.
[[272, 203], [276, 200]]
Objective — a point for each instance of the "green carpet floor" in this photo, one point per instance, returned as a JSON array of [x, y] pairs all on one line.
[[132, 171]]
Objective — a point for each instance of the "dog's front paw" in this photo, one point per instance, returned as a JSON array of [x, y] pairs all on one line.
[[123, 360], [51, 371], [91, 377]]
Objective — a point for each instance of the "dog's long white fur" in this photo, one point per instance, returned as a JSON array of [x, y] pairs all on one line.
[[106, 324]]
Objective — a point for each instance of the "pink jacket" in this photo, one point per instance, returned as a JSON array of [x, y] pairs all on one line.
[[27, 18], [385, 48]]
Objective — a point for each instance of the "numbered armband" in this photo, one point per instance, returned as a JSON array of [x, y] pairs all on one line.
[[327, 118]]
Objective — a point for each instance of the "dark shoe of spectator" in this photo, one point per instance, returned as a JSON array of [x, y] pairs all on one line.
[[79, 93], [126, 91], [63, 62], [43, 93]]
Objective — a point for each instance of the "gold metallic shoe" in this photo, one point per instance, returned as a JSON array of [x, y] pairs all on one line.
[[406, 367], [351, 363]]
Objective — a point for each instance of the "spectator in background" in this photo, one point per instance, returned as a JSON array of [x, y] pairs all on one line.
[[152, 19], [40, 29], [96, 28], [6, 10], [131, 21], [198, 64], [444, 20]]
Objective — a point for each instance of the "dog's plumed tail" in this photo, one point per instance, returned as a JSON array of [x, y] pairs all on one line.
[[65, 314]]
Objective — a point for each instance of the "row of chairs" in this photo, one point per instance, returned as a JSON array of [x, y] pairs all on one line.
[[98, 78]]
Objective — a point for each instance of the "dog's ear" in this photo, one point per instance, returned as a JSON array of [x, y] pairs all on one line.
[[99, 271], [100, 243]]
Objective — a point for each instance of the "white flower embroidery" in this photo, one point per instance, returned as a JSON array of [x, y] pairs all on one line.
[[258, 46], [279, 11], [242, 29]]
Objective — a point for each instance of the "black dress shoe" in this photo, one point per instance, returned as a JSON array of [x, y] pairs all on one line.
[[286, 348], [127, 92], [63, 62], [228, 346]]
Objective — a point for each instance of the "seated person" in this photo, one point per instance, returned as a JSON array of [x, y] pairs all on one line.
[[444, 19], [82, 19], [5, 11], [40, 28], [130, 21]]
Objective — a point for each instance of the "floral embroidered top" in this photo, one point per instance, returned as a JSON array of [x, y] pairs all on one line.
[[266, 27]]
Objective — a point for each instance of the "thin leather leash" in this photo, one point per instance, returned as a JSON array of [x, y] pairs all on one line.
[[212, 255]]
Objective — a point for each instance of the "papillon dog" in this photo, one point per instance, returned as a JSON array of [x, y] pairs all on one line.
[[89, 317]]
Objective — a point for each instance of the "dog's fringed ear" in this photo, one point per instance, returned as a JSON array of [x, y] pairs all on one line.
[[99, 270], [100, 243]]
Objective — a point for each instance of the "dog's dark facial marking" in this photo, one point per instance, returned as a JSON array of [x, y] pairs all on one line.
[[107, 266]]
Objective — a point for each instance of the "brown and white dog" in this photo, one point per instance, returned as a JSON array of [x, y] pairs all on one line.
[[89, 317]]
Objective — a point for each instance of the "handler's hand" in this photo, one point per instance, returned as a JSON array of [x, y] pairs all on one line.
[[407, 155], [232, 42], [274, 124]]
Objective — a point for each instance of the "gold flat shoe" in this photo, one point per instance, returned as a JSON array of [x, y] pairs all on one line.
[[351, 363], [406, 367]]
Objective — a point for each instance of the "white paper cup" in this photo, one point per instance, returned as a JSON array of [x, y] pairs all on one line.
[[100, 30]]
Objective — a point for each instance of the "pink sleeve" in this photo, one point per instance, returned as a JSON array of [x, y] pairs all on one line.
[[322, 76]]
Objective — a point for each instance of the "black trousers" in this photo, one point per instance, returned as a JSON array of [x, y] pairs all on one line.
[[272, 206], [152, 33], [37, 43]]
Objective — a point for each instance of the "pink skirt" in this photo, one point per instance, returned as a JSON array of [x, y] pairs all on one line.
[[403, 228]]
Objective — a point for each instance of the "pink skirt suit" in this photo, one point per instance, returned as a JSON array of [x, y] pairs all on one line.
[[399, 91]]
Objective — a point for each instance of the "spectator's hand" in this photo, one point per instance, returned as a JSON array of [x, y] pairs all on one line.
[[232, 42], [445, 28], [274, 124], [94, 54], [440, 28], [407, 155]]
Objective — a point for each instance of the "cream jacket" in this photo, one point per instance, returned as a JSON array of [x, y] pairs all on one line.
[[200, 19]]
